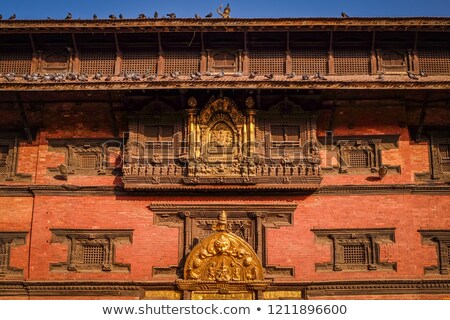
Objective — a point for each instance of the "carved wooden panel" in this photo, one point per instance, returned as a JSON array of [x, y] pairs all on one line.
[[440, 239], [16, 61], [355, 249], [393, 61], [247, 221], [224, 60], [8, 240], [91, 250], [434, 60], [8, 161], [309, 60], [94, 61], [351, 61], [267, 61]]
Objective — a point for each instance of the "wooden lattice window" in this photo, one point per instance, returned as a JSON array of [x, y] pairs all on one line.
[[355, 249], [309, 60], [444, 154], [266, 61], [440, 156], [441, 240], [354, 254], [351, 61], [93, 254], [358, 159], [100, 60], [91, 250], [8, 240], [4, 152], [88, 161], [139, 60], [434, 60], [17, 61], [183, 61]]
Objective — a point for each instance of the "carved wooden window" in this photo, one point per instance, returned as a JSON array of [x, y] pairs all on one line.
[[99, 60], [440, 156], [225, 61], [309, 60], [139, 60], [355, 249], [266, 61], [351, 61], [440, 239], [17, 61], [357, 155], [8, 161], [8, 240], [55, 62], [159, 140], [284, 139], [181, 60], [91, 250], [393, 62], [434, 60]]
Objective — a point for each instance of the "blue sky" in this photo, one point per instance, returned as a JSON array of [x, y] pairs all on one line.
[[41, 9]]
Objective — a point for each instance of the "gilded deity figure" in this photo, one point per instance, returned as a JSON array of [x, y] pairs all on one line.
[[226, 12]]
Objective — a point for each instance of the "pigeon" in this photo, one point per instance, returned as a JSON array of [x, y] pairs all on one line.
[[142, 16], [291, 75], [69, 16], [82, 77], [269, 76], [108, 78], [49, 18], [13, 17], [135, 77], [112, 16], [252, 75], [175, 75], [381, 76], [72, 76], [208, 73], [1, 17], [164, 76], [344, 15], [10, 76], [220, 74], [209, 15], [305, 77], [412, 76], [97, 76], [197, 16], [422, 73], [195, 76], [120, 16], [237, 74], [152, 77], [171, 15], [94, 17], [47, 77], [319, 76], [156, 15]]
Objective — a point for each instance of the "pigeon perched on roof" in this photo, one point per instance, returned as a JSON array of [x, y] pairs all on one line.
[[319, 76], [381, 76], [291, 75], [344, 15], [13, 17], [220, 74], [197, 16], [209, 15], [305, 77], [142, 16], [112, 16], [422, 73], [1, 17], [120, 16], [156, 15], [94, 17], [69, 16], [171, 15], [175, 74], [412, 76], [252, 75], [269, 76]]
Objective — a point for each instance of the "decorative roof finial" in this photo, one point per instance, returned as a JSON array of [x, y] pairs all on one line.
[[226, 12], [222, 223]]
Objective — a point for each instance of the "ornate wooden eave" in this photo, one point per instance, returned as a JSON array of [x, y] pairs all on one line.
[[279, 82], [233, 24]]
